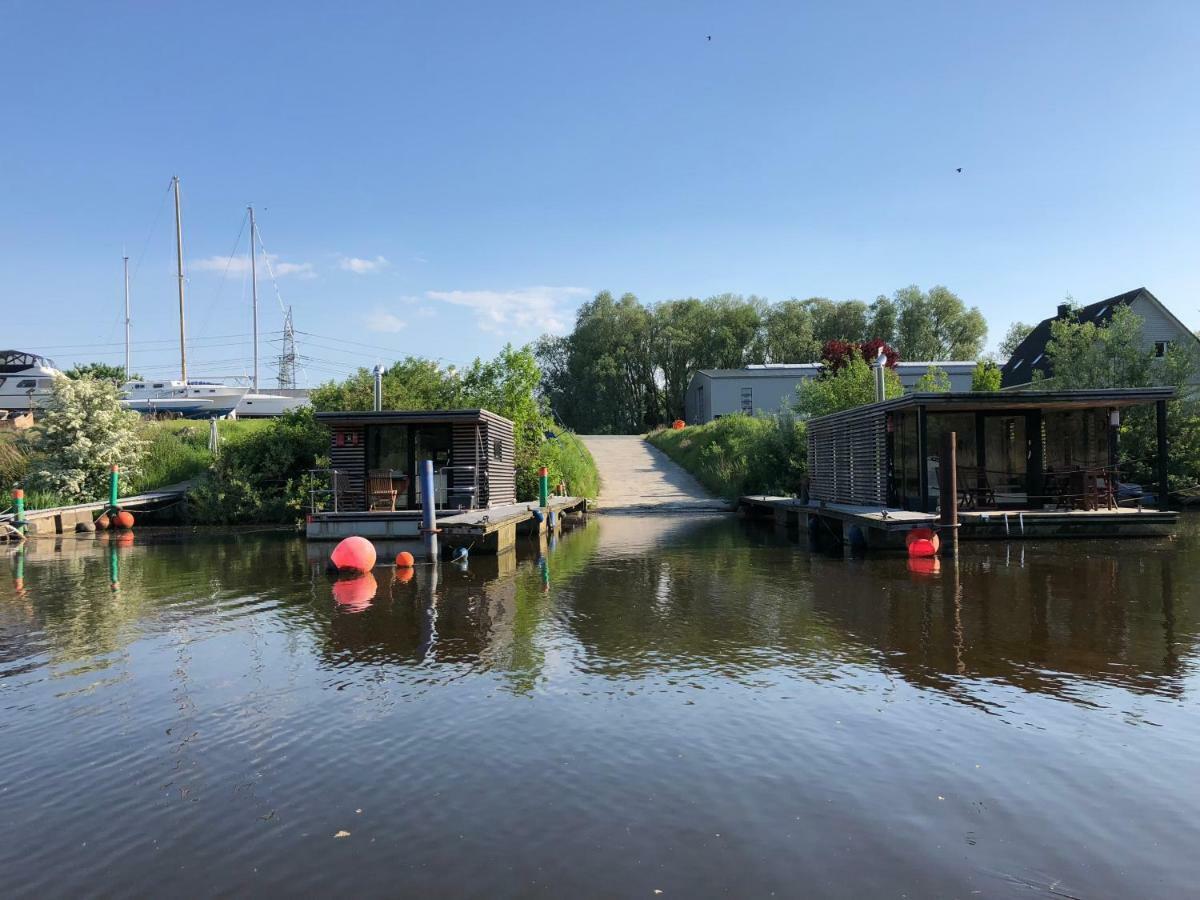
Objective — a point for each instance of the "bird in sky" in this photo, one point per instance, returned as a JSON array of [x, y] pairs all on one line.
[[959, 170], [710, 37]]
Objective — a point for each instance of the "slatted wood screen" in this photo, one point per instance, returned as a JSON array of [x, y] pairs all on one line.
[[847, 457], [501, 485], [348, 455]]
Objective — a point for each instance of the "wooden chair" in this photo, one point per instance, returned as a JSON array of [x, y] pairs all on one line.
[[381, 492]]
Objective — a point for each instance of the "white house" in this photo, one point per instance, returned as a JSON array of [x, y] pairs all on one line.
[[713, 393], [1160, 329]]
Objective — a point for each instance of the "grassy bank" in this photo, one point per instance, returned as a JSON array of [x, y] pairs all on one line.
[[737, 455], [567, 460]]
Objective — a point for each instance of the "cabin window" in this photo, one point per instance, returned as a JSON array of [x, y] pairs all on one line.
[[27, 383], [497, 450], [158, 385], [1160, 348], [139, 387], [748, 400]]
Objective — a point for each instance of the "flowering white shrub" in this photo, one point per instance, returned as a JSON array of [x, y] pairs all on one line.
[[82, 432]]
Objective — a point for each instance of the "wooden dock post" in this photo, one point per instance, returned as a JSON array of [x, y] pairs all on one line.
[[948, 487]]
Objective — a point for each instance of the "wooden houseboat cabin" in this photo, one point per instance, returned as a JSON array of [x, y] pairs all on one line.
[[1047, 462], [376, 458]]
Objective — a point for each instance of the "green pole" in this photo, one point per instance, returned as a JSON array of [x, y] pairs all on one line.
[[19, 572], [19, 504], [543, 487], [114, 568], [112, 487]]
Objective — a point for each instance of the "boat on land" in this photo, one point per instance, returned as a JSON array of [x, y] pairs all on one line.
[[194, 399], [26, 380]]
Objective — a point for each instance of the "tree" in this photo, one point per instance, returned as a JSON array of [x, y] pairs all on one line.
[[83, 432], [1086, 355], [1017, 332], [101, 370], [412, 383], [986, 376], [788, 333], [937, 325], [836, 354], [934, 381], [881, 323], [850, 386], [834, 321]]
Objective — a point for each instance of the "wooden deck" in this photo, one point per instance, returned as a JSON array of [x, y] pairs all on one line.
[[489, 529], [885, 527]]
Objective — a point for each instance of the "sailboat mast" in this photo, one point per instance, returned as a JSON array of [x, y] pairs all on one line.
[[127, 317], [254, 294], [179, 268]]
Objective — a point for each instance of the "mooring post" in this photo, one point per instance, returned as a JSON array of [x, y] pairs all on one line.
[[428, 516], [948, 487], [19, 505], [112, 486]]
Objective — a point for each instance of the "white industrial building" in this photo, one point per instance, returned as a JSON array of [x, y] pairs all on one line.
[[713, 393]]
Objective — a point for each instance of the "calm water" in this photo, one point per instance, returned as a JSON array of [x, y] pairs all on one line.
[[688, 706]]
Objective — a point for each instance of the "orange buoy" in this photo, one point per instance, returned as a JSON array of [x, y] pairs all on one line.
[[404, 560], [922, 542], [354, 554], [677, 424], [355, 594], [404, 576], [124, 519], [101, 522]]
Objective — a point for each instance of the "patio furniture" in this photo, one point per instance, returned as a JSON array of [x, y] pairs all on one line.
[[382, 491]]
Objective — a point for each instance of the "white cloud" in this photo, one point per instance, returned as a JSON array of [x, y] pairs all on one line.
[[240, 265], [363, 266], [382, 320], [524, 309]]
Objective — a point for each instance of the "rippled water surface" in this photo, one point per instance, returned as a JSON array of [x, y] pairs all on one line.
[[690, 706]]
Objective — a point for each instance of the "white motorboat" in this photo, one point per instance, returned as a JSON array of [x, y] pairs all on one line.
[[256, 406], [26, 380]]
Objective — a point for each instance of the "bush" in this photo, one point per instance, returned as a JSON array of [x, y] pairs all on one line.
[[262, 475], [83, 432], [738, 455], [566, 458]]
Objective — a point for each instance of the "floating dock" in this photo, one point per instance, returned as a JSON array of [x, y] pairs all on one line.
[[63, 519], [885, 528], [485, 530]]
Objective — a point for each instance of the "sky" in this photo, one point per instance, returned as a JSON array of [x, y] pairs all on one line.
[[440, 179]]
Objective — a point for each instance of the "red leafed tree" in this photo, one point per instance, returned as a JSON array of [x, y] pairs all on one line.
[[835, 354]]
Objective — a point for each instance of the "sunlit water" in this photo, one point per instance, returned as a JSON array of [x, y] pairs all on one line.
[[687, 705]]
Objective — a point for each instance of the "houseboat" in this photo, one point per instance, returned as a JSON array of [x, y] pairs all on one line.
[[374, 484], [1028, 464]]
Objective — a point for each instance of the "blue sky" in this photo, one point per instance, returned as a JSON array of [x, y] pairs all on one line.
[[437, 179]]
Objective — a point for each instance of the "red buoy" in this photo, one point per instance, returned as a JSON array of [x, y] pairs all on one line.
[[404, 576], [355, 594], [102, 522], [922, 542], [930, 565], [404, 560], [124, 519], [354, 554]]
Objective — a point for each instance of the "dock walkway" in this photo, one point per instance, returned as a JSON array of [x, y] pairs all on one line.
[[638, 477], [63, 519]]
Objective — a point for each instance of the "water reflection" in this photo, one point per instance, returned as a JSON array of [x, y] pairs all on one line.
[[644, 681]]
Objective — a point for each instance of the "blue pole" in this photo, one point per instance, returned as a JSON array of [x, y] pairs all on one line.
[[428, 517]]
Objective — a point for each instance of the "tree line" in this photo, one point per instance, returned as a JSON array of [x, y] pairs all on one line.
[[625, 366]]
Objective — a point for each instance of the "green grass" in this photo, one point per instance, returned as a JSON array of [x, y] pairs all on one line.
[[738, 455], [567, 460], [178, 450]]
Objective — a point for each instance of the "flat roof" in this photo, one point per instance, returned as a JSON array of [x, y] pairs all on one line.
[[410, 416], [970, 401], [782, 370]]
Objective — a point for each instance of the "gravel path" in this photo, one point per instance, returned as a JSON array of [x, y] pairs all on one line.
[[636, 476]]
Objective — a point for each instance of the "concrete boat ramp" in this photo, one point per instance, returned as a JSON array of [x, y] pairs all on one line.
[[638, 477]]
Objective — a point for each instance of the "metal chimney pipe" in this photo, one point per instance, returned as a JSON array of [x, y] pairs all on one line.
[[378, 388]]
